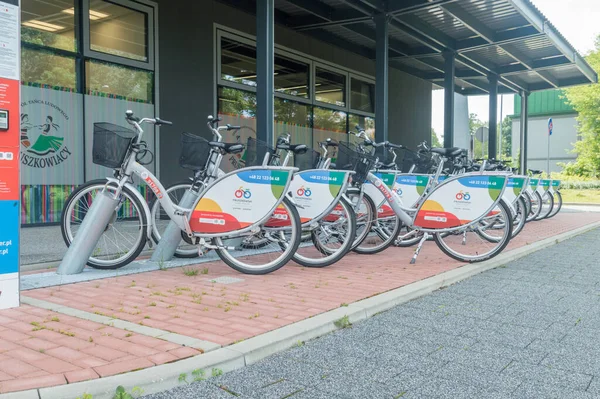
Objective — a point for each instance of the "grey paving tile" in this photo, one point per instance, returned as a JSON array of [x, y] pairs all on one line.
[[565, 379], [478, 378], [549, 391], [202, 389], [243, 381], [509, 352], [276, 390], [355, 387], [472, 359], [312, 393], [292, 370]]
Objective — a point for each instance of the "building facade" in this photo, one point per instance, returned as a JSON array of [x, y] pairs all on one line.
[[86, 61], [542, 106]]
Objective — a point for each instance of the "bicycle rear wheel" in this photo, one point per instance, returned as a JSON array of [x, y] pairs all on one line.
[[160, 220], [277, 246], [331, 239], [470, 245], [125, 234], [365, 212]]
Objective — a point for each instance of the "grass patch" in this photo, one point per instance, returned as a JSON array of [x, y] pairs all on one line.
[[581, 196], [190, 272], [343, 322]]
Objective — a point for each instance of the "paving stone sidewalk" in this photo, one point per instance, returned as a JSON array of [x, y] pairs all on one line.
[[528, 329]]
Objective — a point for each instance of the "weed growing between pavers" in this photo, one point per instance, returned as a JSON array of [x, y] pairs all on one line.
[[343, 322]]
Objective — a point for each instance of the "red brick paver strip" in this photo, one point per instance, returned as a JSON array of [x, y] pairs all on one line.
[[35, 339], [31, 359]]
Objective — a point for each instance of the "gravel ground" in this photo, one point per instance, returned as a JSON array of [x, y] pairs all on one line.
[[528, 329]]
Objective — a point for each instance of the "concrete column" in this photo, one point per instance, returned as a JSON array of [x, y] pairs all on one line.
[[493, 117], [448, 98], [265, 60], [524, 129], [381, 77]]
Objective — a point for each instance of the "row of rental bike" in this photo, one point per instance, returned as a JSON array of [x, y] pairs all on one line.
[[291, 202]]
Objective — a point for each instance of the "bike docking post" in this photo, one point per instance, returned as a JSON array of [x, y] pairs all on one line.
[[170, 239], [88, 235]]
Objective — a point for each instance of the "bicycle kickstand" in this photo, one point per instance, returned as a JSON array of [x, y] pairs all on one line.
[[423, 239]]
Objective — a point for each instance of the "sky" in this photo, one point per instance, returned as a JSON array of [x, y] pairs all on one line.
[[577, 20]]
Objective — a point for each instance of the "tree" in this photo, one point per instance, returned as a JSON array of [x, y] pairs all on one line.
[[506, 137], [586, 101], [435, 140]]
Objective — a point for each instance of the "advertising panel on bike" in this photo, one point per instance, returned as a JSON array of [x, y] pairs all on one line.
[[533, 184], [460, 201], [514, 188], [545, 184], [316, 190], [554, 186], [240, 200], [410, 188], [381, 205]]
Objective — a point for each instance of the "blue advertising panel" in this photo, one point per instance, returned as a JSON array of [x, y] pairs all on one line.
[[9, 237]]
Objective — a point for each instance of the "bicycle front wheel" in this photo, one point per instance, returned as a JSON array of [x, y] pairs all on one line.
[[481, 241], [558, 201], [160, 220], [535, 209], [547, 205], [276, 248], [124, 236], [331, 239]]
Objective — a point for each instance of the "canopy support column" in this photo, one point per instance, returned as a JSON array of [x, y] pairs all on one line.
[[381, 77], [449, 73], [493, 117], [265, 60], [523, 132]]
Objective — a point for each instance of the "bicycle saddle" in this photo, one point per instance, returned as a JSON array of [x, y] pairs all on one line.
[[229, 148], [295, 148], [536, 172], [448, 152]]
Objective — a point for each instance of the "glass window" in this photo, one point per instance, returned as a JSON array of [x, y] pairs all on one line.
[[111, 80], [238, 62], [45, 69], [237, 102], [330, 87], [365, 122], [362, 95], [291, 77], [48, 23], [118, 30], [293, 118], [328, 123]]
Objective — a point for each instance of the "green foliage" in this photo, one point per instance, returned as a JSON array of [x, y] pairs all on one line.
[[182, 377], [199, 375], [586, 101], [121, 393], [435, 140], [344, 322], [480, 149], [216, 372], [86, 396]]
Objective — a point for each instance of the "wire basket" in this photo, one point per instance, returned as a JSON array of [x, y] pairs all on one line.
[[111, 144], [309, 160], [194, 152], [348, 158], [255, 152]]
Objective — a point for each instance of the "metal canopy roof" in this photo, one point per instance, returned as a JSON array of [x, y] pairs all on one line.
[[509, 38]]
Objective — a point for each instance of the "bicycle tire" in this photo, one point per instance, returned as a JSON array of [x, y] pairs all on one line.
[[156, 234], [536, 208], [558, 199], [439, 240], [545, 212], [329, 256], [67, 230], [363, 223], [295, 236]]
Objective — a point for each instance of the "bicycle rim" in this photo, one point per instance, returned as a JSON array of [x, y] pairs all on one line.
[[558, 202], [547, 205], [124, 236], [364, 210], [331, 239], [479, 242], [277, 246]]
